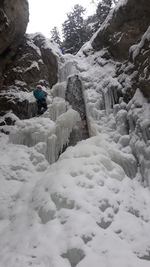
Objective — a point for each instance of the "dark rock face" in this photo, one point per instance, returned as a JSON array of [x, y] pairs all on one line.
[[24, 60], [74, 95], [75, 98], [142, 69], [125, 27], [137, 69], [14, 17], [33, 63]]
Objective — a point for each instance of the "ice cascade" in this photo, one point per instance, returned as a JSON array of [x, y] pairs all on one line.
[[48, 137]]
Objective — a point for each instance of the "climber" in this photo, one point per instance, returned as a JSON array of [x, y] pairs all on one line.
[[62, 50], [40, 96]]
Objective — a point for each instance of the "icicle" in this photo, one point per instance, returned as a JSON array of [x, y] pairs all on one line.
[[110, 98], [53, 136], [64, 125], [58, 107], [59, 90]]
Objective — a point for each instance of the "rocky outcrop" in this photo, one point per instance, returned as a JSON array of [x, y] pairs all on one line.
[[137, 69], [14, 17], [25, 60], [124, 27], [125, 35], [33, 63]]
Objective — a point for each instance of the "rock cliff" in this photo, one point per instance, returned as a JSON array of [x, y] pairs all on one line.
[[33, 63], [25, 60], [14, 17], [124, 27], [137, 68], [122, 33]]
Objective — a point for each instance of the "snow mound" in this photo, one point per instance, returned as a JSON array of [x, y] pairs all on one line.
[[83, 211]]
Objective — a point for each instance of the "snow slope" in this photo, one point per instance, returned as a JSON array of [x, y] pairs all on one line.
[[81, 210]]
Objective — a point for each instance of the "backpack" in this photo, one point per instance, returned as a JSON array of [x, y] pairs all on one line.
[[38, 93]]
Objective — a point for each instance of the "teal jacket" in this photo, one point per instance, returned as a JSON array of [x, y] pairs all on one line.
[[39, 94]]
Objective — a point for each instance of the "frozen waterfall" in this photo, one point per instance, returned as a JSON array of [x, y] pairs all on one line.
[[87, 206]]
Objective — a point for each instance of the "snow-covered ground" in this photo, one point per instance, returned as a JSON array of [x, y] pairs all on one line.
[[90, 207], [82, 210]]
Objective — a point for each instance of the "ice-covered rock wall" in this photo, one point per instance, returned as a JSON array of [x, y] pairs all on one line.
[[134, 77], [105, 88], [122, 81], [139, 125], [106, 94], [106, 111]]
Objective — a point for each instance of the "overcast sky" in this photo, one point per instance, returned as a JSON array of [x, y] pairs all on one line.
[[45, 14]]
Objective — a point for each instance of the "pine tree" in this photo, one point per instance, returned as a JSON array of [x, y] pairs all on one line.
[[74, 30], [55, 36], [103, 8]]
